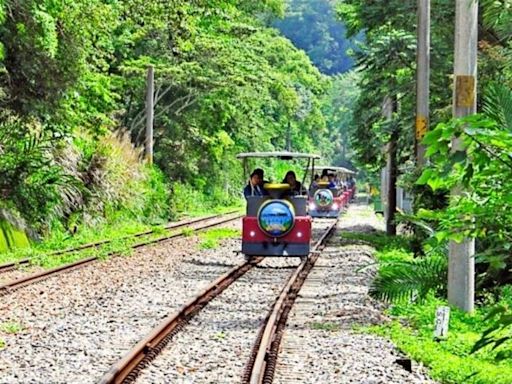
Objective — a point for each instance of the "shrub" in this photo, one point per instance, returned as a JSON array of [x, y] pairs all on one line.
[[31, 180], [117, 185]]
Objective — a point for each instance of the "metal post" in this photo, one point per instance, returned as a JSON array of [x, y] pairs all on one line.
[[461, 267], [150, 94], [422, 79], [289, 137]]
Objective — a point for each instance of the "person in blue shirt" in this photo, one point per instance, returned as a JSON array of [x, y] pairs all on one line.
[[332, 182], [255, 185]]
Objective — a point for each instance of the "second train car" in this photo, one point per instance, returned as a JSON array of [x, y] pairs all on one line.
[[328, 198]]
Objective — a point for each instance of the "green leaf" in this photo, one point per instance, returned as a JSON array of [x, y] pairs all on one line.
[[459, 157], [504, 355], [425, 176], [436, 183]]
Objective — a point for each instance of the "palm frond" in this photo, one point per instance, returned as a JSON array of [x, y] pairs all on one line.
[[498, 105], [497, 14], [410, 280]]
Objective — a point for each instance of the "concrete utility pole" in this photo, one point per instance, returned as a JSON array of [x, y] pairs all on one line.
[[388, 108], [150, 94], [461, 267], [422, 79]]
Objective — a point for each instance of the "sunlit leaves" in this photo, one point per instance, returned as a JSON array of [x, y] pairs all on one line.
[[48, 39], [497, 14], [48, 46], [484, 167], [224, 82], [497, 336]]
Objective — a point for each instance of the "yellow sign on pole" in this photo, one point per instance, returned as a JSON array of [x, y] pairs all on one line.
[[421, 127], [465, 91]]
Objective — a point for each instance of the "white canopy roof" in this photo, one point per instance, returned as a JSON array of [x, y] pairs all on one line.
[[284, 155], [333, 168]]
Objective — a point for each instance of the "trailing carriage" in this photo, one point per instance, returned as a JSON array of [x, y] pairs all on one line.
[[329, 198]]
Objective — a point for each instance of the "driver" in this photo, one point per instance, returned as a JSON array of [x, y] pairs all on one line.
[[255, 185]]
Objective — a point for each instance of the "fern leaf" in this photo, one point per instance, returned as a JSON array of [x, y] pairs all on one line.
[[498, 105], [411, 280]]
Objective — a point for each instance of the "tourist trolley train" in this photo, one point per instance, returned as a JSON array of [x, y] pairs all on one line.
[[277, 224], [325, 201]]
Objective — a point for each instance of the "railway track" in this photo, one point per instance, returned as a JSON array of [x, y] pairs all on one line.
[[262, 363], [36, 277], [7, 267], [130, 366]]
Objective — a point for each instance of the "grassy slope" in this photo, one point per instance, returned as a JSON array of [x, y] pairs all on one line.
[[59, 240]]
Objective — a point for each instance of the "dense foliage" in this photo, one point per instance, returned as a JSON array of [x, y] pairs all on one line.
[[481, 169], [312, 26], [338, 107], [72, 85], [387, 64]]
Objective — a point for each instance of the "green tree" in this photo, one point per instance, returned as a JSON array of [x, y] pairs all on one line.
[[312, 26]]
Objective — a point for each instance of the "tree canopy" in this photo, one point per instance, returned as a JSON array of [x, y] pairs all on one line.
[[312, 26], [73, 74]]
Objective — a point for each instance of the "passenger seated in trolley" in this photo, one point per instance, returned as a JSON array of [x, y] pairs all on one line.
[[325, 176], [332, 183], [315, 182], [255, 185], [295, 186]]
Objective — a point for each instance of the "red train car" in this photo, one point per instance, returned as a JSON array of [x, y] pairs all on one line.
[[277, 223], [329, 198]]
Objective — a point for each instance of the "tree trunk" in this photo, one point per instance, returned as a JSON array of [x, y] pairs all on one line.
[[393, 171]]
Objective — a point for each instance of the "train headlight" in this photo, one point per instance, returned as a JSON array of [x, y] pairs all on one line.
[[252, 234], [299, 234], [334, 207], [276, 218], [311, 206], [324, 198]]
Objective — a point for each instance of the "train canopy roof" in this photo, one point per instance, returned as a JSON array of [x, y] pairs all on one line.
[[333, 168], [284, 155]]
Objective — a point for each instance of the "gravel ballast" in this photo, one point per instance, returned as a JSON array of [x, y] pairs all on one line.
[[319, 345], [76, 325], [215, 346]]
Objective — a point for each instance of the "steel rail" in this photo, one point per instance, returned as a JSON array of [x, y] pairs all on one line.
[[261, 366], [128, 368], [15, 264], [7, 267], [36, 277]]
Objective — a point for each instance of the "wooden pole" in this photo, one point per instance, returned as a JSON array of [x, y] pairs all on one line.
[[461, 265], [150, 94]]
